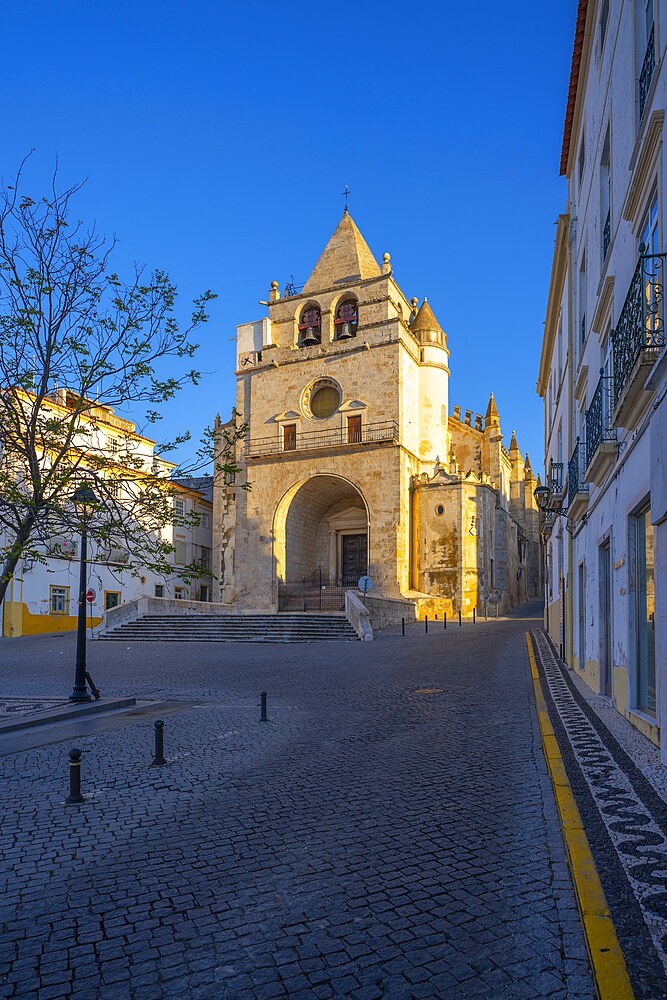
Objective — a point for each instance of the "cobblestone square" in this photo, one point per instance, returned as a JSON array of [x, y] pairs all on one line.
[[390, 832]]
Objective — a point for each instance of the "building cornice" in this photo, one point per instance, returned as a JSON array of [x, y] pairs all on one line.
[[645, 162], [556, 285], [578, 68]]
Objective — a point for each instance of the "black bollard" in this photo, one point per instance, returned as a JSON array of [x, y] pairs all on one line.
[[402, 626], [444, 619], [474, 615], [75, 795], [426, 623], [459, 616], [436, 616], [159, 743], [263, 716]]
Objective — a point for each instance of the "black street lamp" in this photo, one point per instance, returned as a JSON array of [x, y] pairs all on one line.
[[542, 496], [84, 500]]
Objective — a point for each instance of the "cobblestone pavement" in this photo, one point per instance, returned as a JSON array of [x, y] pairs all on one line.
[[626, 823], [389, 833]]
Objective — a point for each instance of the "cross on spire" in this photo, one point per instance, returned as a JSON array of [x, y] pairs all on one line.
[[346, 195]]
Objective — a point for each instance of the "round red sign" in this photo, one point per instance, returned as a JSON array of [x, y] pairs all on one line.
[[90, 596]]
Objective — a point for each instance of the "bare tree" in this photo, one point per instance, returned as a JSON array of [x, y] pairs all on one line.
[[77, 341]]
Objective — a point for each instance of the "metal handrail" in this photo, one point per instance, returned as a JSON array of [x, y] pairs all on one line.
[[640, 328], [386, 430]]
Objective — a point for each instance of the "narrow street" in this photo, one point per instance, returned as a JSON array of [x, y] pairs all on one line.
[[390, 832]]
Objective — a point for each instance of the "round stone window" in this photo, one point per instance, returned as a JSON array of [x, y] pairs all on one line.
[[324, 399], [440, 509]]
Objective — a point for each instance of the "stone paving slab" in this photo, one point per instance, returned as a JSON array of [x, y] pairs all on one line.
[[390, 832]]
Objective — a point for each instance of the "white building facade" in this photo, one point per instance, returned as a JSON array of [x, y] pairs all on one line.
[[43, 594], [603, 370]]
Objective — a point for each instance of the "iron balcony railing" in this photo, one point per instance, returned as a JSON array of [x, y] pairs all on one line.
[[606, 235], [547, 520], [576, 472], [640, 330], [598, 416], [386, 430], [646, 74], [556, 477]]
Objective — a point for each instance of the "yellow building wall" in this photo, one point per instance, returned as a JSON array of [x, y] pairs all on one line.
[[18, 621]]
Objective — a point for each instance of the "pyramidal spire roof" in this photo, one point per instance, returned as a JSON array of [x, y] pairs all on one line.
[[346, 257], [492, 410], [425, 321], [514, 444]]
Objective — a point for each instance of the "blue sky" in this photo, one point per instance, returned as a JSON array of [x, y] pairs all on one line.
[[216, 140]]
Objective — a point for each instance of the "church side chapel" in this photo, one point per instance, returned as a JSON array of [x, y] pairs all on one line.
[[356, 465]]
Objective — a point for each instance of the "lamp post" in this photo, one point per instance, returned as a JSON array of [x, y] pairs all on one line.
[[84, 499]]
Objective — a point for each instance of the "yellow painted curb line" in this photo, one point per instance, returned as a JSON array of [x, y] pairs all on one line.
[[604, 950]]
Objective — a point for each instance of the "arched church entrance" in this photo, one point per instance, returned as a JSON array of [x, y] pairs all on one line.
[[320, 543]]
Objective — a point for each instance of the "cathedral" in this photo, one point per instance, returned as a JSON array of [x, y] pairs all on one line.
[[353, 463]]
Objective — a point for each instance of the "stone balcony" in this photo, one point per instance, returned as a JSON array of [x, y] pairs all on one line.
[[383, 432]]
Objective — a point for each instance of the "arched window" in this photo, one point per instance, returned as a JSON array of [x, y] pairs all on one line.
[[310, 327], [347, 320]]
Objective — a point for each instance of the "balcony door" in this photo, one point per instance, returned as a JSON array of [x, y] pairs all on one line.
[[645, 611], [606, 678], [582, 615]]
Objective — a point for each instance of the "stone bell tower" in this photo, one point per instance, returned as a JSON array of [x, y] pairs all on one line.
[[344, 387]]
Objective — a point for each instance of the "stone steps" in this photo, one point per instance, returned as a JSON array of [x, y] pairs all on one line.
[[283, 627]]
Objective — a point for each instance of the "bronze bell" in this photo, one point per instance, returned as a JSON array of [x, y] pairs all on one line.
[[310, 337], [345, 332]]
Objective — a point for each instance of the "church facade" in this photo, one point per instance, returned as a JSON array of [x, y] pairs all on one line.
[[353, 461]]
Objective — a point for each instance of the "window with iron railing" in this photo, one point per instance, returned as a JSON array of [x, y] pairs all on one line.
[[576, 472], [598, 417], [640, 331]]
